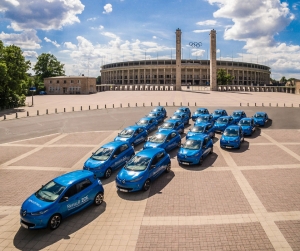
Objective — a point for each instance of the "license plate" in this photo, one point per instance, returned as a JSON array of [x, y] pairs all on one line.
[[185, 163], [228, 146], [24, 225], [123, 190]]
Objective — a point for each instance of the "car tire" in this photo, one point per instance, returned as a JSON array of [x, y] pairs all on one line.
[[201, 161], [211, 150], [214, 135], [146, 185], [98, 199], [239, 146], [168, 169], [54, 221], [107, 173]]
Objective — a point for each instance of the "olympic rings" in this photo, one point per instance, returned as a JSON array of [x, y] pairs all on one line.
[[195, 44]]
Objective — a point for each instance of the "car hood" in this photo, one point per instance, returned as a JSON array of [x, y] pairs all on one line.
[[121, 138], [187, 152], [217, 125], [129, 175], [92, 163], [258, 119], [246, 127], [164, 129], [228, 138], [190, 134], [33, 204], [152, 145]]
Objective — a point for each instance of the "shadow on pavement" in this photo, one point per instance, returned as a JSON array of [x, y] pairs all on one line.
[[207, 162], [244, 148], [11, 111], [28, 240]]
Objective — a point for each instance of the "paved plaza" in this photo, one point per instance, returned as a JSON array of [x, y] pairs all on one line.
[[246, 199]]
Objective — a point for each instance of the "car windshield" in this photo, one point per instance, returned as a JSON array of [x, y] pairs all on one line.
[[202, 119], [155, 110], [258, 115], [192, 144], [231, 132], [222, 120], [199, 112], [50, 191], [237, 114], [126, 133], [218, 112], [245, 122], [167, 125], [143, 122], [102, 153], [157, 138], [153, 115], [180, 110], [198, 129], [138, 163], [176, 117]]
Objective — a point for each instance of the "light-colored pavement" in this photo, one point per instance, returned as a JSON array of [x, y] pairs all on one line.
[[245, 199]]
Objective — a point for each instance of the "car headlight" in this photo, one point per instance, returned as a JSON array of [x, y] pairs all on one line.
[[137, 179], [39, 213]]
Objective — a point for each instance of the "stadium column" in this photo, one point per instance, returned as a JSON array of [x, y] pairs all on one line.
[[213, 60], [178, 60]]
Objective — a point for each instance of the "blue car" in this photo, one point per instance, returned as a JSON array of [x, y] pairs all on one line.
[[142, 169], [157, 115], [199, 112], [150, 124], [61, 197], [238, 115], [167, 140], [219, 113], [160, 109], [204, 118], [172, 124], [185, 110], [222, 122], [232, 137], [248, 126], [134, 135], [202, 128], [261, 118], [195, 149], [108, 158], [183, 117]]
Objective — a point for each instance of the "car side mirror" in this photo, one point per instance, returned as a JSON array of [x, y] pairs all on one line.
[[65, 199], [115, 156], [152, 166]]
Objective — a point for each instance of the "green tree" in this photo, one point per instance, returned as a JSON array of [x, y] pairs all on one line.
[[223, 78], [98, 80], [283, 80], [13, 68], [47, 66]]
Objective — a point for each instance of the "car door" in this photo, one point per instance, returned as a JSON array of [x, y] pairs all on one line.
[[115, 159], [68, 202], [83, 197], [241, 134], [209, 131], [176, 127], [173, 141], [184, 118], [230, 121], [141, 135], [153, 170], [205, 147], [151, 124], [124, 155]]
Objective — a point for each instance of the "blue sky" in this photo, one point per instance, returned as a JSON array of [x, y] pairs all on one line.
[[85, 34]]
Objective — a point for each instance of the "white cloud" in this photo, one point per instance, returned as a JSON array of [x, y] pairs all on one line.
[[69, 45], [109, 34], [201, 31], [207, 23], [25, 40], [107, 8], [100, 27], [30, 54], [154, 37], [92, 19], [41, 14], [52, 42], [295, 6]]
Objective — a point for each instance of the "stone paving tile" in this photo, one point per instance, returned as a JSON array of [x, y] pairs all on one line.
[[37, 141], [284, 135], [294, 148], [291, 232], [255, 155], [54, 157], [247, 236], [2, 216], [277, 189], [86, 138], [257, 137], [9, 152], [196, 193], [16, 186]]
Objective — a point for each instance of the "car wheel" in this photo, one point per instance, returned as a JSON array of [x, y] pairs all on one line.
[[200, 161], [243, 139], [239, 146], [211, 150], [54, 221], [214, 135], [107, 173], [146, 185], [132, 145], [98, 199], [168, 169]]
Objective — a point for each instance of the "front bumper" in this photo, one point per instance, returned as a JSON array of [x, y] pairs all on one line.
[[188, 160], [219, 129], [128, 187], [229, 144], [34, 222]]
